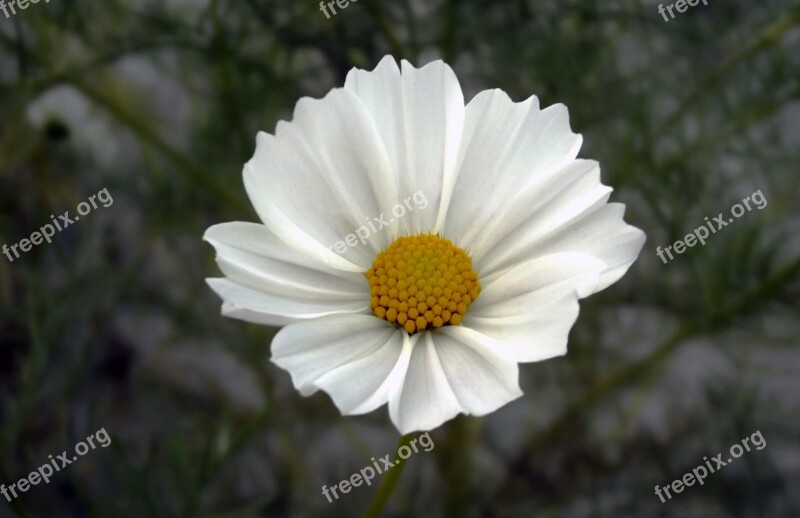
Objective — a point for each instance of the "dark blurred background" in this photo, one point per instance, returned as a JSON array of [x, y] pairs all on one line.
[[112, 326]]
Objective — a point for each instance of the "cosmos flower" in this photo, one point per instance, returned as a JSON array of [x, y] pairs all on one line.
[[427, 309]]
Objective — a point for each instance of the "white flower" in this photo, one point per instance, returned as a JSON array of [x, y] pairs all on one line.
[[515, 232]]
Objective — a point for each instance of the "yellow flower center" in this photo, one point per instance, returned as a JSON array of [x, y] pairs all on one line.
[[422, 282]]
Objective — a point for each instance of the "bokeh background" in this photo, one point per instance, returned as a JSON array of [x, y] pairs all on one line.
[[158, 101]]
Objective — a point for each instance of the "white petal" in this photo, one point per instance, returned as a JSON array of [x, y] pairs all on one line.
[[528, 310], [322, 177], [482, 380], [535, 337], [251, 255], [505, 147], [425, 399], [604, 235], [419, 115], [354, 358], [541, 210], [564, 272], [273, 310], [363, 385], [382, 94]]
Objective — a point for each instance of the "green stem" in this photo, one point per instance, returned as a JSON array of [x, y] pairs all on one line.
[[389, 482], [462, 434]]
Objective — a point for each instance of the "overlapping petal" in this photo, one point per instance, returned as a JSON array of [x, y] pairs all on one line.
[[321, 177], [528, 310], [357, 359], [419, 115], [452, 371], [505, 147], [543, 201], [269, 283]]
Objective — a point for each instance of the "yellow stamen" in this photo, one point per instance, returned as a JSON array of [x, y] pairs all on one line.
[[422, 282]]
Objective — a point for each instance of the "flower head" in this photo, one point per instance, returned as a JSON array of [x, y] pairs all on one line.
[[427, 307]]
